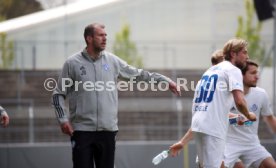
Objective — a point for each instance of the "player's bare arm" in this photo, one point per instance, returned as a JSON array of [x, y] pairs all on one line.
[[175, 148], [241, 105]]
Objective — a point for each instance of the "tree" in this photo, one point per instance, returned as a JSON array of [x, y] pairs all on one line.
[[4, 6], [14, 8], [6, 52], [125, 48], [251, 32], [11, 9]]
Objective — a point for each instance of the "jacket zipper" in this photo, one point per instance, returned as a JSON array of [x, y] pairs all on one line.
[[97, 96]]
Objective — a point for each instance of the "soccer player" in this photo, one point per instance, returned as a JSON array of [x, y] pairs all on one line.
[[242, 141], [217, 57], [211, 104]]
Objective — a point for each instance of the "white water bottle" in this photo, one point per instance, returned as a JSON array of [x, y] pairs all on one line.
[[161, 156]]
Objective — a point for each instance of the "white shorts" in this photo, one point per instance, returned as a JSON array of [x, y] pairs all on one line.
[[250, 155], [209, 150]]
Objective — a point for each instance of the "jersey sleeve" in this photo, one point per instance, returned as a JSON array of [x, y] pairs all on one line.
[[266, 109], [235, 80]]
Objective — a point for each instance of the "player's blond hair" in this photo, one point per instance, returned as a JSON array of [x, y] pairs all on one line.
[[233, 45]]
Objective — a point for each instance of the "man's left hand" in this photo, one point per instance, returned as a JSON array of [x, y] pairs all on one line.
[[173, 87]]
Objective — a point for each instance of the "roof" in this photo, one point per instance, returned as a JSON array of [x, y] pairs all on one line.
[[50, 14]]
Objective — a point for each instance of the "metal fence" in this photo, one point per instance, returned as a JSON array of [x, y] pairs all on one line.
[[190, 54]]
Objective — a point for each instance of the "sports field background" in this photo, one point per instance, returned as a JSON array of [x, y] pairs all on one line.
[[149, 122], [174, 38]]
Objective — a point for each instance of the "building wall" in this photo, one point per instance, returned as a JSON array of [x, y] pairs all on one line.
[[169, 34]]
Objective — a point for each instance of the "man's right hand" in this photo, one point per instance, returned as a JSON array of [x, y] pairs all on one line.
[[66, 128], [176, 148]]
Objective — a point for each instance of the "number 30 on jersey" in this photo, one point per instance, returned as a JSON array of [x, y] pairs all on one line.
[[206, 89]]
